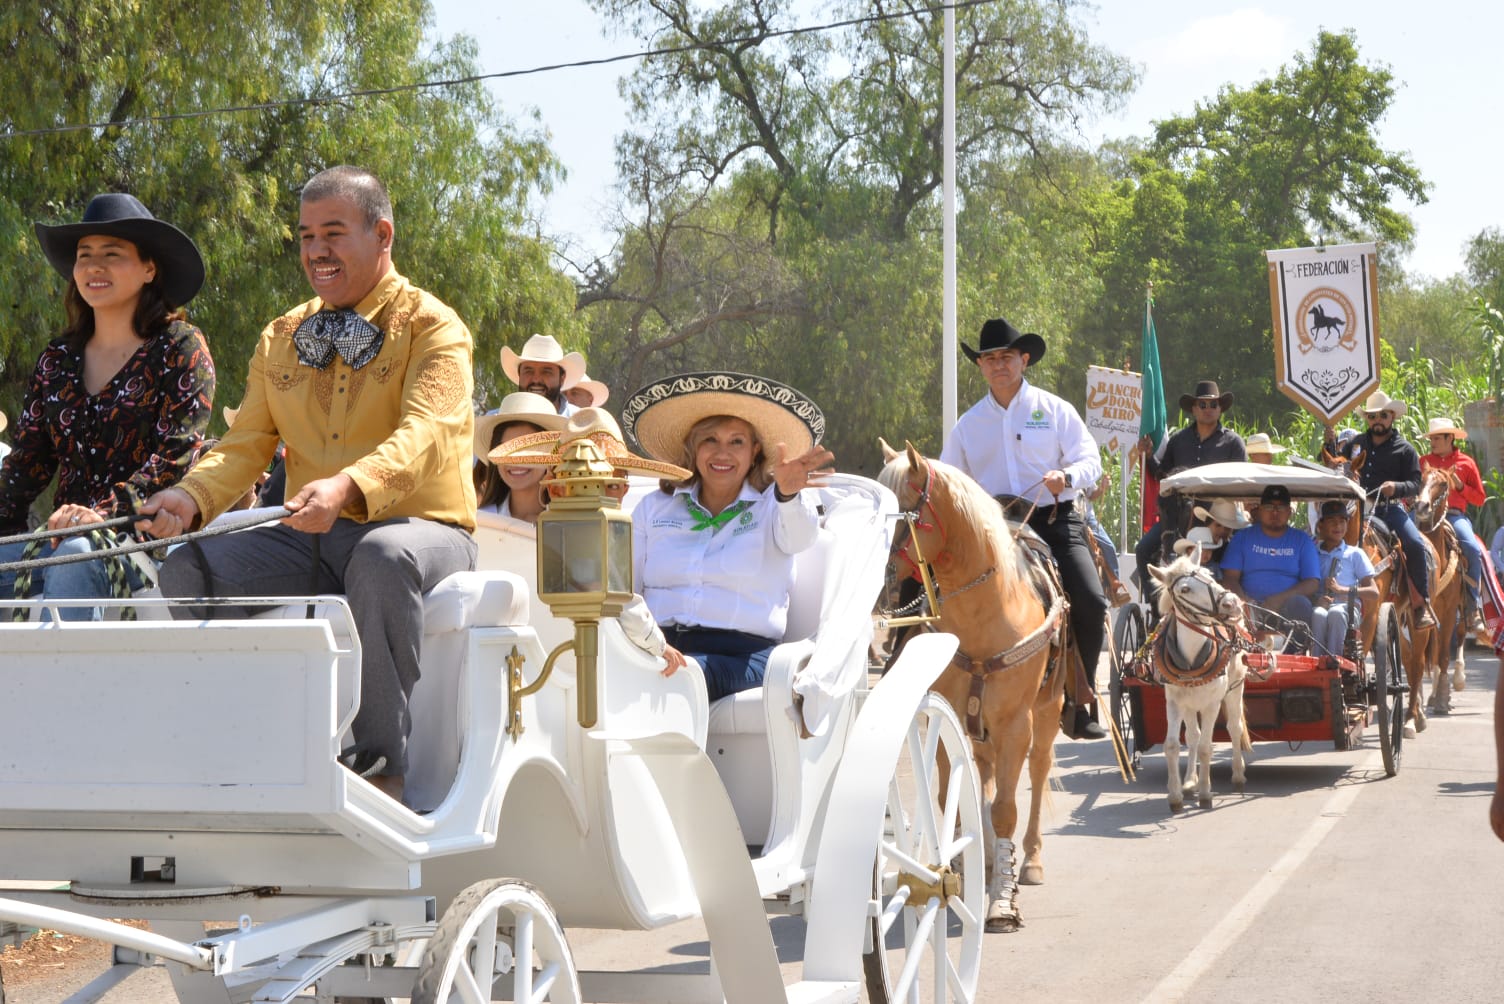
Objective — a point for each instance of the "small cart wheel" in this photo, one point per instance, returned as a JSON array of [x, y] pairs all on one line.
[[492, 930], [1389, 689], [1128, 636], [933, 838]]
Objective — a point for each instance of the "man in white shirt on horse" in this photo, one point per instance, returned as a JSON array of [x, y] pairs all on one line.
[[1022, 441]]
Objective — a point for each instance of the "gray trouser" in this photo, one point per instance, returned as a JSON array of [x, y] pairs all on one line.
[[383, 568]]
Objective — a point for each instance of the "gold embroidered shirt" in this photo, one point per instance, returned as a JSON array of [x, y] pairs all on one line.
[[400, 426]]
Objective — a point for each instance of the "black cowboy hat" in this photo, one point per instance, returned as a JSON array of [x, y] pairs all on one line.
[[180, 268], [999, 334], [1205, 391]]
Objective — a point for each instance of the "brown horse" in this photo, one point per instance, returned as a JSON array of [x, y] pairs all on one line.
[[1416, 643], [1008, 640], [1447, 598]]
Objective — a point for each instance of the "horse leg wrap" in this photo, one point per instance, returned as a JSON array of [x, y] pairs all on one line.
[[1002, 890]]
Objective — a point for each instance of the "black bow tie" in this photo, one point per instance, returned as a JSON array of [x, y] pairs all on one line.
[[344, 331]]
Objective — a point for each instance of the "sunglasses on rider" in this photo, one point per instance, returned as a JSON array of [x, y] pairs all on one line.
[[1385, 415], [1208, 405]]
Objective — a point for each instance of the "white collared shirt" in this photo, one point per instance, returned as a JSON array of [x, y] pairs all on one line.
[[1009, 450], [735, 577]]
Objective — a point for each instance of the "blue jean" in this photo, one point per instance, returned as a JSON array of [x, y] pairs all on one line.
[[733, 661], [1329, 627], [1472, 550], [1397, 518], [81, 580]]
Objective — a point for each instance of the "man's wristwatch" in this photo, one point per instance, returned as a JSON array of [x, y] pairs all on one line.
[[1068, 482]]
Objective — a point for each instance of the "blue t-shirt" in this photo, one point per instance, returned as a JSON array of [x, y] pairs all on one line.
[[1352, 567], [1268, 564]]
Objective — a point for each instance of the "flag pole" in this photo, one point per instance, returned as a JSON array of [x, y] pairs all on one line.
[[948, 186]]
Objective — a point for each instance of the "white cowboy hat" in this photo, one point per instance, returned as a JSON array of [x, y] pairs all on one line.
[[1436, 427], [1379, 401], [659, 416], [544, 349], [1260, 442], [534, 409], [1198, 535], [587, 423], [599, 392], [1226, 512]]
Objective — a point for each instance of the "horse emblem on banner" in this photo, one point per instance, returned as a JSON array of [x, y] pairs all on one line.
[[1326, 345]]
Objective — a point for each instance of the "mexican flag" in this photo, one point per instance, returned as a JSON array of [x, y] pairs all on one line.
[[1153, 416]]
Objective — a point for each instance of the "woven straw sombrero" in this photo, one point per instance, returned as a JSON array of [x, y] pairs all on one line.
[[546, 448], [659, 416], [523, 406]]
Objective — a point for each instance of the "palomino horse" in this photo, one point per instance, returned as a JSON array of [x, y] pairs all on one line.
[[1198, 657], [999, 681], [1447, 597], [1393, 581]]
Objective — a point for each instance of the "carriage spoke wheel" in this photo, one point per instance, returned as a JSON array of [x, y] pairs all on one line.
[[925, 932], [499, 939], [1128, 636], [1389, 688]]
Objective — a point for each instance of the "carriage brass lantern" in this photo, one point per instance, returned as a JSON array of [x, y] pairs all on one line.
[[584, 558]]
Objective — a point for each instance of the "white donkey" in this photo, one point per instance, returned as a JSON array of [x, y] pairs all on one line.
[[1197, 657]]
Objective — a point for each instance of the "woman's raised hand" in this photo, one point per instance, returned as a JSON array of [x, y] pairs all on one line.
[[803, 471]]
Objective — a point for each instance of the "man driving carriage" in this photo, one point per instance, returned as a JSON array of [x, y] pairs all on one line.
[[1204, 441], [1273, 563], [1388, 469], [1022, 441]]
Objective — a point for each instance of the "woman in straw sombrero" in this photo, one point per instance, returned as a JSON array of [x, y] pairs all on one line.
[[715, 555], [120, 400]]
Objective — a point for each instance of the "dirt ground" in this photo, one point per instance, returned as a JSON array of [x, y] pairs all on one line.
[[40, 958]]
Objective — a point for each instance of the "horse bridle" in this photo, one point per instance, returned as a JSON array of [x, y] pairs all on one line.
[[909, 519]]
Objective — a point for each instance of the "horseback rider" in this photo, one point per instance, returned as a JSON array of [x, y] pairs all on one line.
[[1443, 434], [1388, 469], [1204, 441], [1023, 441]]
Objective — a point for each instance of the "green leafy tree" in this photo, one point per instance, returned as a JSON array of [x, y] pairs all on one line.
[[146, 75]]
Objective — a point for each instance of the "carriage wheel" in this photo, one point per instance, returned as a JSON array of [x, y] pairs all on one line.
[[1128, 636], [500, 930], [930, 896], [1389, 688]]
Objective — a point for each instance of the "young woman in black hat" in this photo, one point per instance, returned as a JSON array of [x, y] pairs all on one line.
[[119, 401]]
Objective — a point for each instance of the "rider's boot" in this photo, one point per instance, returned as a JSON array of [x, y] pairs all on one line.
[[1086, 726]]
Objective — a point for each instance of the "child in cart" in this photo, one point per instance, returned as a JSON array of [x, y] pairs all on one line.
[[1347, 583]]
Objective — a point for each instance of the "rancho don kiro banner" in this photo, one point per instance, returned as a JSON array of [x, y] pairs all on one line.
[[1113, 401], [1324, 302]]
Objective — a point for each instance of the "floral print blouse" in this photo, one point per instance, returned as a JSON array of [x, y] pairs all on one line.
[[110, 450]]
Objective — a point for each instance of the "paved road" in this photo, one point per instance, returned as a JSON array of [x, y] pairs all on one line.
[[1324, 881]]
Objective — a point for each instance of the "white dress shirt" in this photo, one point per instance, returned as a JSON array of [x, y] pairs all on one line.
[[1009, 450], [734, 577]]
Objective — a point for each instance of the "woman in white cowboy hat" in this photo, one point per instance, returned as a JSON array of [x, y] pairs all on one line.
[[514, 491], [120, 400], [1443, 434], [715, 555]]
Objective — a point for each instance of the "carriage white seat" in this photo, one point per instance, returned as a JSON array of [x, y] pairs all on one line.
[[180, 769]]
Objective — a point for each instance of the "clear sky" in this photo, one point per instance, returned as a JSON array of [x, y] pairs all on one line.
[[1445, 56]]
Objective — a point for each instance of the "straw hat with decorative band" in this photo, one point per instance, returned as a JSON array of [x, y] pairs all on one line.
[[659, 416], [1224, 511], [1436, 427], [1206, 390], [599, 392], [180, 268], [1260, 442], [534, 409], [544, 349], [1379, 401], [587, 423]]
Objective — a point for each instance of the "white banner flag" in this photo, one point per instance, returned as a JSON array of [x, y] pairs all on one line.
[[1114, 399], [1326, 342]]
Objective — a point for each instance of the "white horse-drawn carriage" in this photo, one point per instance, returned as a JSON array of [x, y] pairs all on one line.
[[185, 772]]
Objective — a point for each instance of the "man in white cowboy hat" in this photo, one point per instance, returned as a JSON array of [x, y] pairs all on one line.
[[1201, 540], [369, 385], [1204, 441], [1443, 434], [1022, 441], [587, 393], [1388, 469], [544, 368]]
